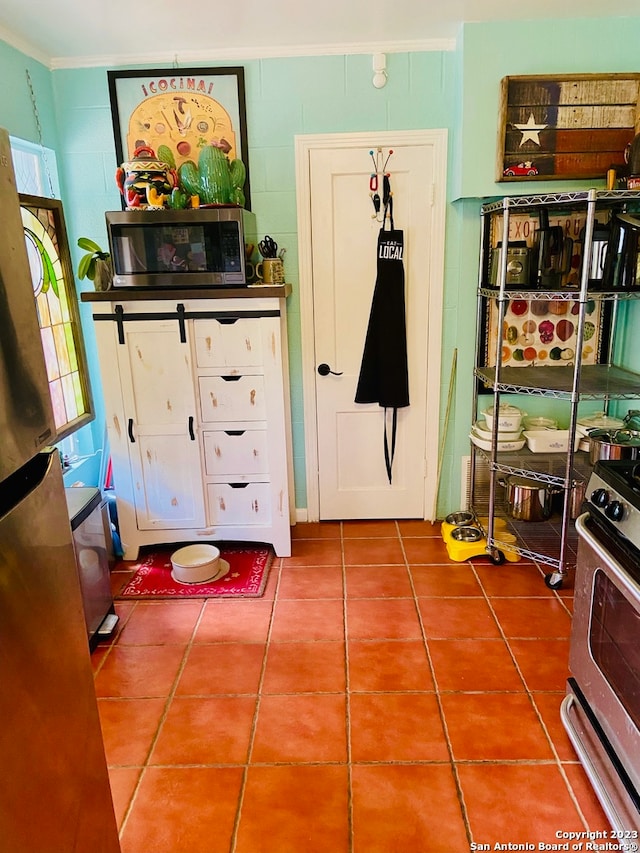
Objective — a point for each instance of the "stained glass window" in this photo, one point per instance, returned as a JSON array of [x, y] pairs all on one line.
[[57, 304]]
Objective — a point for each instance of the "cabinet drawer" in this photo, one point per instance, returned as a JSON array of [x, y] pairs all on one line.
[[232, 398], [235, 452], [239, 503], [236, 342]]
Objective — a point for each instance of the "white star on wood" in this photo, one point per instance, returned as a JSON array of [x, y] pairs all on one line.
[[530, 130]]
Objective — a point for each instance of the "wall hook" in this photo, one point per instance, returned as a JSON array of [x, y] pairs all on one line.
[[380, 172]]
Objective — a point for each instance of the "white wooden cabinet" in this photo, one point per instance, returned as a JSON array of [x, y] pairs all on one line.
[[197, 408]]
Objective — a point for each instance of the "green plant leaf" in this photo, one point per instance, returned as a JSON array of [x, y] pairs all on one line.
[[88, 245], [83, 266]]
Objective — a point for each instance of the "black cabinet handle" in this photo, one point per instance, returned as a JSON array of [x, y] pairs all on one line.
[[191, 433], [234, 431], [238, 485], [231, 378], [227, 321], [181, 322], [132, 438]]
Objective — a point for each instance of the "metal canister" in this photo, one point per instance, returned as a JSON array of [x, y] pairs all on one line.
[[517, 264]]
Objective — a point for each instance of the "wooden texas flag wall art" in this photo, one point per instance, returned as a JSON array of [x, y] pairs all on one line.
[[565, 127]]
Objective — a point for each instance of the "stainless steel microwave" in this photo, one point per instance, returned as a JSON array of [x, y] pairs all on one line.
[[201, 247]]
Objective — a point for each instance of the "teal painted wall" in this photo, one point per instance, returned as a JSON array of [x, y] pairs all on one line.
[[454, 90], [16, 109], [487, 53], [285, 97]]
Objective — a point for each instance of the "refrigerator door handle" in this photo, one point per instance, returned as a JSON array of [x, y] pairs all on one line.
[[132, 437]]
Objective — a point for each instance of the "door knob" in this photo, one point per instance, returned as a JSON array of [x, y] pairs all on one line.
[[325, 370]]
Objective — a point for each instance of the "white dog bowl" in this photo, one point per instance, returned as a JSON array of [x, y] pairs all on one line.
[[197, 564]]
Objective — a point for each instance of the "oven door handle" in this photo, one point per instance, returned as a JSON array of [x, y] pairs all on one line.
[[613, 566], [589, 767]]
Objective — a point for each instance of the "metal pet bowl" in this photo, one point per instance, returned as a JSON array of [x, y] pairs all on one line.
[[459, 519], [466, 534]]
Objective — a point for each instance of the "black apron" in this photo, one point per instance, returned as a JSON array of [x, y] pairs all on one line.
[[384, 376]]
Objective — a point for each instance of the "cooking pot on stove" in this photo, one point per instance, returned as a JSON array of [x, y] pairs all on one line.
[[528, 500], [613, 444]]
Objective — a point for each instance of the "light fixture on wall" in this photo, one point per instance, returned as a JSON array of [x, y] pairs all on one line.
[[379, 70]]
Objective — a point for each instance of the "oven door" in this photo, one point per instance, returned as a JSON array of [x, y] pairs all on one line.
[[602, 709]]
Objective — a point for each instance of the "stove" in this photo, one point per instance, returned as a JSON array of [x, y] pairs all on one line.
[[613, 497], [601, 711]]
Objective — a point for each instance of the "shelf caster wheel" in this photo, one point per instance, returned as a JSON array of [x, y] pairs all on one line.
[[554, 580], [496, 557]]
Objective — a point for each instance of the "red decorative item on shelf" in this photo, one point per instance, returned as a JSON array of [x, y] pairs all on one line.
[[145, 180]]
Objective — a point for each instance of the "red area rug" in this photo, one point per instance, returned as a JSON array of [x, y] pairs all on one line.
[[246, 578]]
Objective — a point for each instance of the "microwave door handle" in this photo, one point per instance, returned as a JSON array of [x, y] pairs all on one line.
[[622, 578]]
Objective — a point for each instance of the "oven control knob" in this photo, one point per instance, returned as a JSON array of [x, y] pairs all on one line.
[[600, 497], [615, 511]]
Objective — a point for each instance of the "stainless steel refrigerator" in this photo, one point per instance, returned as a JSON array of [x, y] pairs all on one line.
[[54, 787]]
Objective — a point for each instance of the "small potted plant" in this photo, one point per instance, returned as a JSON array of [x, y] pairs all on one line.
[[95, 264]]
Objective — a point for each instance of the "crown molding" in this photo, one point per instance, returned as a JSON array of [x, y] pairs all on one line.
[[243, 54], [24, 47]]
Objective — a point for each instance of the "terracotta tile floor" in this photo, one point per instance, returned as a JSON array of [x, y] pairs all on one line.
[[379, 697]]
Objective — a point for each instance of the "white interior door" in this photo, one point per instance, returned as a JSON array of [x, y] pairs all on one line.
[[352, 479]]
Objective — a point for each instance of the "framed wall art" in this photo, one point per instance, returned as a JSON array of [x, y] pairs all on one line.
[[58, 316], [565, 127], [544, 332], [184, 109]]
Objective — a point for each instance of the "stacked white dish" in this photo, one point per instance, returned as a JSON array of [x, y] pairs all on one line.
[[550, 440], [509, 429], [539, 422]]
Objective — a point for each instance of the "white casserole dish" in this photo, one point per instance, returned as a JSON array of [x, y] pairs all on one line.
[[483, 444], [480, 428], [549, 440], [539, 422], [509, 418]]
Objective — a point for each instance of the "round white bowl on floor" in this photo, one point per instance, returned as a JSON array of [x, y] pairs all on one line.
[[197, 564]]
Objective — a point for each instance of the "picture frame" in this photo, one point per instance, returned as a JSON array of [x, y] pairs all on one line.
[[182, 108], [58, 313], [566, 127], [544, 332]]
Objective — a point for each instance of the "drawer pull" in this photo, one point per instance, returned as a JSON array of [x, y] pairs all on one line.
[[191, 433], [231, 378], [238, 485], [234, 431], [227, 321], [130, 431]]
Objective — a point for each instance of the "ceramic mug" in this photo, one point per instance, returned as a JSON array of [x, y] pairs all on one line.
[[271, 271]]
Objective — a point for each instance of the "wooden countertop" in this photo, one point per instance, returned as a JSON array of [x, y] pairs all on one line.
[[146, 294]]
